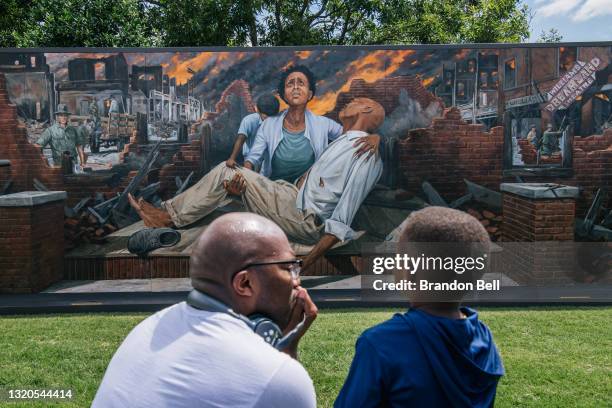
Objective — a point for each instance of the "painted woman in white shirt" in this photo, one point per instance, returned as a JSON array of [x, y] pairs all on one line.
[[287, 144]]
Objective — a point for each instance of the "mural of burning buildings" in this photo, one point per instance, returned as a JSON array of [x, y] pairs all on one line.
[[155, 121], [31, 84]]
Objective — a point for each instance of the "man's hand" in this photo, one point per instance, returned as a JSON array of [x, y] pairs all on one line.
[[236, 186], [231, 163], [369, 144], [248, 165], [305, 310]]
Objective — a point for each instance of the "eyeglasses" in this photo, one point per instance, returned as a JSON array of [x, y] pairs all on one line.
[[295, 266]]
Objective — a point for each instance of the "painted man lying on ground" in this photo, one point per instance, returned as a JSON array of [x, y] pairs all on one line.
[[318, 211]]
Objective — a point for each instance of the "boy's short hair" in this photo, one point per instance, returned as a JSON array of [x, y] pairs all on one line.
[[441, 232], [312, 82], [440, 224], [268, 105]]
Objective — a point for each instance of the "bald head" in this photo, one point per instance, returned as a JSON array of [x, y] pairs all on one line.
[[228, 244], [440, 224], [373, 110], [363, 114]]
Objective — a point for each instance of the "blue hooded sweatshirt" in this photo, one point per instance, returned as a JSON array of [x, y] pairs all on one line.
[[420, 360]]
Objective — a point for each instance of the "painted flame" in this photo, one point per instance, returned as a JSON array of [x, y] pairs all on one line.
[[427, 81], [372, 67], [136, 59], [177, 67], [464, 53], [299, 55], [303, 54]]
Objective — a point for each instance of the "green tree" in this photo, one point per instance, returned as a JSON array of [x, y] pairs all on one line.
[[329, 22], [446, 21], [314, 22], [203, 22], [551, 36], [258, 22], [14, 19], [71, 23]]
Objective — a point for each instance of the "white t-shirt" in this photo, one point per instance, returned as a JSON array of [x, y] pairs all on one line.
[[185, 357]]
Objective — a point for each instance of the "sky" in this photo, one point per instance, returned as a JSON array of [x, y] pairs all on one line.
[[576, 20]]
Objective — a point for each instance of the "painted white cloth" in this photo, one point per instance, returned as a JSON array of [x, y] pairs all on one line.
[[185, 357], [338, 183]]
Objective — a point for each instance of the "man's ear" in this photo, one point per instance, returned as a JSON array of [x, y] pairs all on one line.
[[243, 284], [367, 109], [310, 95]]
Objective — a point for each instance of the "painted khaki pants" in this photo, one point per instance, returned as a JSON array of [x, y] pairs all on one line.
[[275, 200]]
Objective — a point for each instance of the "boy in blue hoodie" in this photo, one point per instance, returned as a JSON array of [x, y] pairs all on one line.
[[438, 354]]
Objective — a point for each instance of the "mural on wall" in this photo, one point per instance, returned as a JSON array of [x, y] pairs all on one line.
[[546, 93], [186, 88], [484, 115]]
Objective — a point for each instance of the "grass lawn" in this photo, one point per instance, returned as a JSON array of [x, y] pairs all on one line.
[[554, 357]]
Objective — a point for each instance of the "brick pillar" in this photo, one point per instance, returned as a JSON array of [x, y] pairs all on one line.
[[539, 216], [31, 240]]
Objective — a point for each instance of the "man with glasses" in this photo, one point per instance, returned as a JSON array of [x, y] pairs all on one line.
[[188, 356], [318, 211]]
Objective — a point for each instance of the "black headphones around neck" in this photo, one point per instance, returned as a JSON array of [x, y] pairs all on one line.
[[261, 325]]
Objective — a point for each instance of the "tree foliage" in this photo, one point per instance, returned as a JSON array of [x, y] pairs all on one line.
[[14, 19], [202, 22], [140, 23], [448, 21], [551, 36], [78, 23]]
